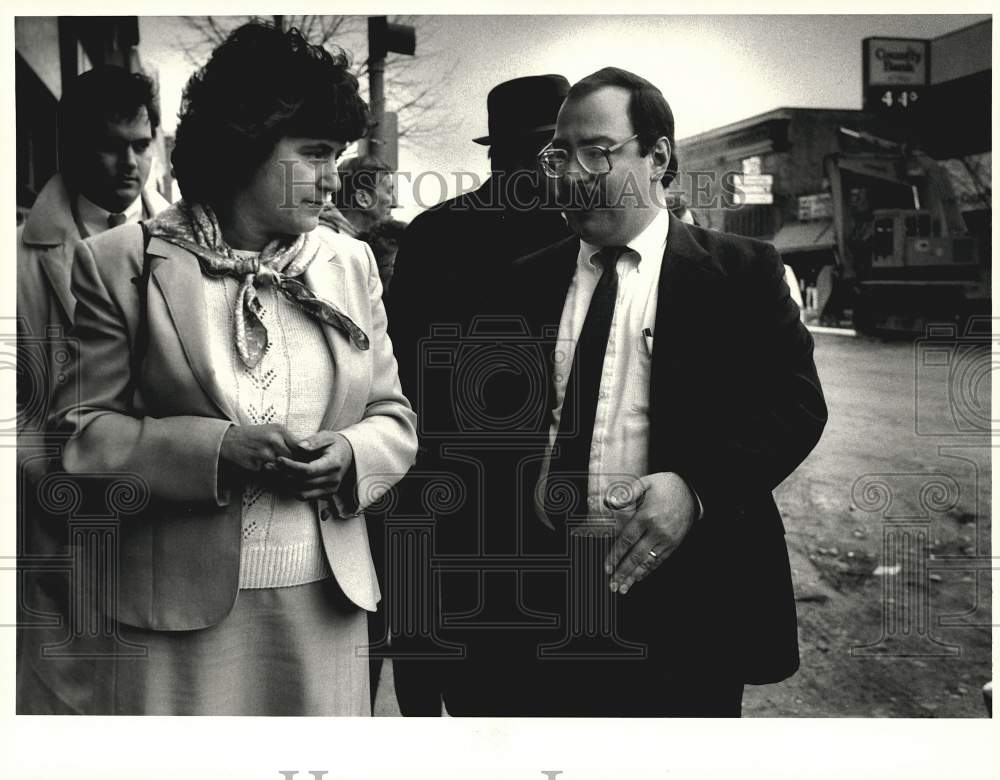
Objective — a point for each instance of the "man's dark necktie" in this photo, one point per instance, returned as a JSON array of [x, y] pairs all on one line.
[[570, 464], [114, 220]]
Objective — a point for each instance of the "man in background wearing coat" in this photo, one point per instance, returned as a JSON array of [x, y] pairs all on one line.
[[108, 119], [362, 208], [450, 292]]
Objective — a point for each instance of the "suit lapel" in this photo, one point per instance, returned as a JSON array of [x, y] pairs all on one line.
[[325, 277], [52, 228], [57, 263], [685, 272], [178, 277]]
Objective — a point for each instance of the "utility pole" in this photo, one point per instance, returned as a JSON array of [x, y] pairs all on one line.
[[383, 37]]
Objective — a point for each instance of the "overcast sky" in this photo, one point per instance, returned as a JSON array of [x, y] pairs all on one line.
[[712, 69]]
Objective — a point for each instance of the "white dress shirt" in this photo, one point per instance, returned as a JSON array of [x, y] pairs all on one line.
[[95, 219], [620, 443]]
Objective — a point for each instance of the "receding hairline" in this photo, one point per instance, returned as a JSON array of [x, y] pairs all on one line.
[[576, 99]]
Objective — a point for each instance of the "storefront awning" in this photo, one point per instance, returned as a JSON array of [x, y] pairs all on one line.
[[805, 236]]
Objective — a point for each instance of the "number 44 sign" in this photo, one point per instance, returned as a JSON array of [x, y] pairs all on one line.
[[899, 98], [896, 72]]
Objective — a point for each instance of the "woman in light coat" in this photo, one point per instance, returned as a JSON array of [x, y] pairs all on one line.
[[239, 369]]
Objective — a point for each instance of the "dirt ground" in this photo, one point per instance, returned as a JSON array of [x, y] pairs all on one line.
[[888, 529], [900, 479]]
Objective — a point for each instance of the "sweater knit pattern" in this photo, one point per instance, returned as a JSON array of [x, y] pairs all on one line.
[[291, 386]]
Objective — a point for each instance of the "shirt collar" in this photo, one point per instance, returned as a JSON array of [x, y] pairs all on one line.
[[95, 219], [647, 248]]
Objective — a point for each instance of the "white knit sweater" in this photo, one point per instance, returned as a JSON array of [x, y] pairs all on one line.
[[291, 385]]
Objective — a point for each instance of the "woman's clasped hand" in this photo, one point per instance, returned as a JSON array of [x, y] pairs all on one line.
[[306, 468]]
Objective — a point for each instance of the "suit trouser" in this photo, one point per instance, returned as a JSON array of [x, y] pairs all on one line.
[[673, 646], [591, 689]]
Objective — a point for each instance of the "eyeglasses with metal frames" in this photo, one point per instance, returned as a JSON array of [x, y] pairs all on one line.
[[595, 160]]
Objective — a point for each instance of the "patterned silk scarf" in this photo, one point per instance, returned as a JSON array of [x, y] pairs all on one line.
[[195, 228]]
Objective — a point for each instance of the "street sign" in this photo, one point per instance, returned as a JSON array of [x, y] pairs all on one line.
[[819, 206], [896, 73], [754, 199], [895, 61], [758, 180], [751, 165], [753, 189]]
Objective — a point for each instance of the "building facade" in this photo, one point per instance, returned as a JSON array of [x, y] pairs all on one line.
[[777, 176]]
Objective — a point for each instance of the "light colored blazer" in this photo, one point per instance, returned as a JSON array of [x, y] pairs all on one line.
[[178, 562], [45, 244]]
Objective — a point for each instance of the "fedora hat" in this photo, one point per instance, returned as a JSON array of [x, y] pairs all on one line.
[[523, 107]]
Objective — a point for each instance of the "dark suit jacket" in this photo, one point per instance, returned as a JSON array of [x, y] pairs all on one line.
[[452, 272], [453, 266], [735, 406]]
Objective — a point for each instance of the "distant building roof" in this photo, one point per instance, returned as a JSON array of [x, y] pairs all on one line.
[[804, 236], [785, 113]]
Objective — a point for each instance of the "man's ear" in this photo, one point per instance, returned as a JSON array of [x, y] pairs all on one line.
[[661, 153], [364, 199]]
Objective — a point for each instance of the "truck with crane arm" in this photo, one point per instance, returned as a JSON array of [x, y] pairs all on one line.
[[903, 255]]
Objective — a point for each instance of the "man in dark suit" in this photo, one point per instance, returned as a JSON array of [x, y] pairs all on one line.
[[683, 391], [452, 272], [453, 255]]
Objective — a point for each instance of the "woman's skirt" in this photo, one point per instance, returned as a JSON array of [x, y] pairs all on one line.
[[299, 650]]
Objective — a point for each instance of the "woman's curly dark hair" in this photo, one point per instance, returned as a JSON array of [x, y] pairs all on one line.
[[259, 86]]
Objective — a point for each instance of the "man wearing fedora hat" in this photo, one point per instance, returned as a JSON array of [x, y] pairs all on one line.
[[473, 238], [450, 283]]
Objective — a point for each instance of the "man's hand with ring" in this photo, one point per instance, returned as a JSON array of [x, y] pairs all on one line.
[[665, 510]]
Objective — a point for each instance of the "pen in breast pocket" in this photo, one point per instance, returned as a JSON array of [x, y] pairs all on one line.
[[647, 337]]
